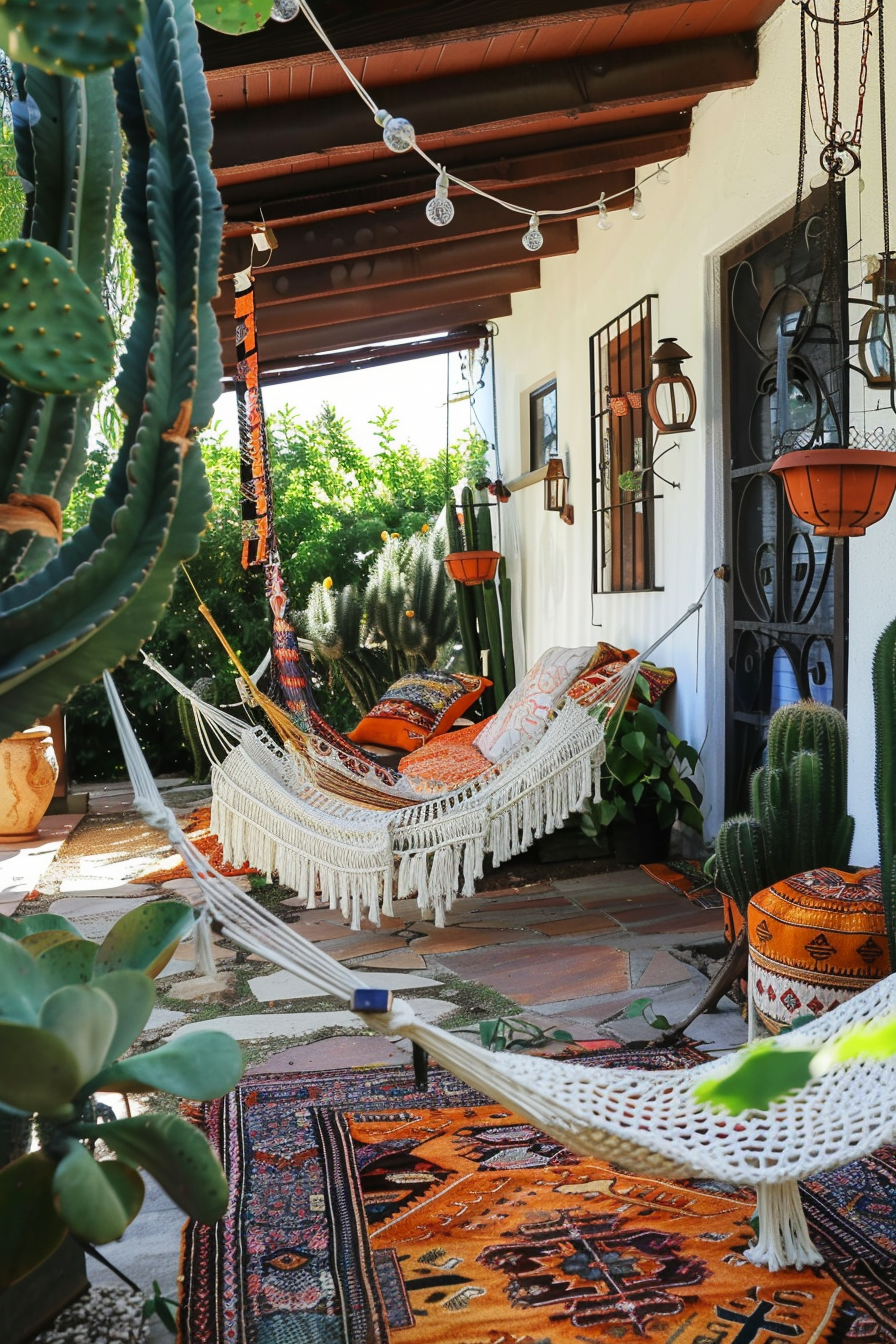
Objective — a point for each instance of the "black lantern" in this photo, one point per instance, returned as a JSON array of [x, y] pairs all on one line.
[[671, 401], [555, 486]]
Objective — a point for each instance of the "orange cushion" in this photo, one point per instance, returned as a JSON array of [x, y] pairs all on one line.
[[448, 761], [419, 706], [605, 664]]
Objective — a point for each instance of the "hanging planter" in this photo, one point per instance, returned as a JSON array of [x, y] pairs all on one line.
[[472, 567], [840, 491]]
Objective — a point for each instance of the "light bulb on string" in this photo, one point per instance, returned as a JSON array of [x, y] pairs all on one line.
[[533, 238], [603, 218], [440, 210], [638, 209], [398, 133], [284, 11], [661, 176]]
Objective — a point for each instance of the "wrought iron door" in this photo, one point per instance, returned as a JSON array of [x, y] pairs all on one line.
[[786, 606]]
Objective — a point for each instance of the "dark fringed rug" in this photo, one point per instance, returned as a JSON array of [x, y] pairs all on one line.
[[364, 1211], [687, 877]]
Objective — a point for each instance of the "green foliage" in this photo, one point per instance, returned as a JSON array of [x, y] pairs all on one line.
[[798, 816], [510, 1034], [643, 1007], [234, 16], [884, 690], [66, 622], [63, 1042], [12, 198], [647, 767], [67, 36]]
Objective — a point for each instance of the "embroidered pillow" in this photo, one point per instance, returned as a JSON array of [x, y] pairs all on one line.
[[524, 715], [588, 689], [420, 705], [447, 762]]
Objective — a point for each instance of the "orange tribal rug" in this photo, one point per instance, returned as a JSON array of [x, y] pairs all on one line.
[[198, 828], [364, 1212]]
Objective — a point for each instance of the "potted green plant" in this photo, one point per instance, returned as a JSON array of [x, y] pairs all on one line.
[[69, 1014], [647, 784]]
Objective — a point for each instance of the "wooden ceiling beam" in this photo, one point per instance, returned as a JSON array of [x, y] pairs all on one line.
[[509, 97], [364, 24], [527, 160], [412, 265], [278, 350]]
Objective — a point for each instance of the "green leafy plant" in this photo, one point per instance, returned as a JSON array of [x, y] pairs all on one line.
[[648, 768], [643, 1007], [514, 1033], [884, 690], [69, 1013]]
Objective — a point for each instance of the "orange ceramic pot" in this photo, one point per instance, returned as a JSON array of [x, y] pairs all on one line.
[[472, 567], [841, 491], [28, 772]]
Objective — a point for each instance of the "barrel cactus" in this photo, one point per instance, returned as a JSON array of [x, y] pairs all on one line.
[[69, 610]]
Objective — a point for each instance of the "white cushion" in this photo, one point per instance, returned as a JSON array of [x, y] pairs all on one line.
[[524, 715]]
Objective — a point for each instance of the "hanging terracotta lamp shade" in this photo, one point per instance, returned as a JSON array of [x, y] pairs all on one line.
[[555, 486], [472, 567], [671, 401], [840, 491]]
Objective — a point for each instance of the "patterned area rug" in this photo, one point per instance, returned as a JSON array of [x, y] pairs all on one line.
[[198, 828], [688, 877], [364, 1212]]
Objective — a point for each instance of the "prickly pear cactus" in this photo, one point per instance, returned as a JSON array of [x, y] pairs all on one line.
[[65, 37], [96, 600]]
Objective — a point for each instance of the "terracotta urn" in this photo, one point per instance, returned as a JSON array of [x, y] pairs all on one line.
[[28, 771]]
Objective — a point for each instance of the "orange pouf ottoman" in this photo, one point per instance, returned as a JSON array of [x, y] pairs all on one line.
[[815, 940]]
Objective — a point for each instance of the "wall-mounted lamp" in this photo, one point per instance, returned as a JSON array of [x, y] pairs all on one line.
[[555, 486], [671, 401]]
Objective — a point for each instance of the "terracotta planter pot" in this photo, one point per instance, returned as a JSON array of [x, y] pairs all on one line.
[[472, 567], [28, 773], [841, 491]]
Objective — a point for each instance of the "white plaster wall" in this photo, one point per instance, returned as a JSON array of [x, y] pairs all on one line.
[[740, 173]]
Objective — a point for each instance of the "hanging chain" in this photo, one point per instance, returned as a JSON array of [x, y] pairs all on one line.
[[840, 153], [801, 165]]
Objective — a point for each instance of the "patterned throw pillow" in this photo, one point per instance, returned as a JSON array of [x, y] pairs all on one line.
[[417, 707], [588, 689], [447, 762], [524, 715]]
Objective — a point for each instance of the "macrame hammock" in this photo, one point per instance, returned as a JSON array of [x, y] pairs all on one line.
[[645, 1122]]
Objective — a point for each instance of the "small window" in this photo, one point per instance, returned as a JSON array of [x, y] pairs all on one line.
[[622, 454], [542, 424]]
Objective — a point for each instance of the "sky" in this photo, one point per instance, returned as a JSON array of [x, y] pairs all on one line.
[[415, 391]]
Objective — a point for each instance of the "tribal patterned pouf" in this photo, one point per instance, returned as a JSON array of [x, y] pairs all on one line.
[[815, 940]]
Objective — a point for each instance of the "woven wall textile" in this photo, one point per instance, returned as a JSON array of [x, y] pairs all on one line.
[[256, 490]]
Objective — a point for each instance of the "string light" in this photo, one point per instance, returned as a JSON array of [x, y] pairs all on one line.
[[399, 135], [440, 210], [284, 11], [533, 238], [398, 132]]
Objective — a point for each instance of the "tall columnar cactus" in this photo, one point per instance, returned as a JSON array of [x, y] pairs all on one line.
[[466, 608], [101, 595], [884, 684], [486, 625], [799, 819]]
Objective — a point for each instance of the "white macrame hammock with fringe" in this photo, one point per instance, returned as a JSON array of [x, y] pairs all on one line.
[[645, 1122]]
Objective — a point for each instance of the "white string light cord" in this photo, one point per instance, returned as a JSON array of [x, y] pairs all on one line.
[[399, 135]]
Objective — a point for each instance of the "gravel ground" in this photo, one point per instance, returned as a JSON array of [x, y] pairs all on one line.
[[101, 1316]]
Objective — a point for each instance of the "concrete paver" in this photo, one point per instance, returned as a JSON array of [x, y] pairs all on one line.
[[284, 985]]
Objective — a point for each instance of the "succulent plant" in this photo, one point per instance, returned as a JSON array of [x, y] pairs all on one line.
[[69, 1011], [67, 617], [884, 684], [484, 609]]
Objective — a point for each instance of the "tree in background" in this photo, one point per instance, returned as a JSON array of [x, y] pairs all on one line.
[[333, 503]]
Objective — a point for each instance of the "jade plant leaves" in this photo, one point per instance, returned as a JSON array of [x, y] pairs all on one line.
[[134, 995], [67, 963], [144, 939], [233, 16], [40, 1072], [20, 928], [54, 333], [66, 37], [30, 1228], [199, 1066], [45, 938], [97, 1200], [176, 1154], [23, 986], [85, 1019]]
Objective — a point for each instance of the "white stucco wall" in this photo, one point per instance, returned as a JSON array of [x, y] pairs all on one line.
[[739, 174]]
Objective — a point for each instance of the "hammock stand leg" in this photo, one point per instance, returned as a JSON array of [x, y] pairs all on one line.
[[731, 970], [783, 1240]]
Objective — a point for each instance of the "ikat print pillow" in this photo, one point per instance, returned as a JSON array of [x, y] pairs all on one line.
[[418, 706], [524, 715]]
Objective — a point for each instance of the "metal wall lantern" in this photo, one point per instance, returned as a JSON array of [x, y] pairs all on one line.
[[671, 401], [555, 486]]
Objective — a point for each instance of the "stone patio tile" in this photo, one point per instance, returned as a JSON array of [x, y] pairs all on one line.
[[386, 923], [459, 939], [321, 914], [663, 969], [264, 1026], [23, 866], [183, 886], [580, 924], [691, 920], [361, 945], [165, 1017], [320, 932], [531, 890], [10, 904], [336, 1052], [546, 973], [624, 881], [398, 961], [544, 902], [592, 1010], [285, 985]]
